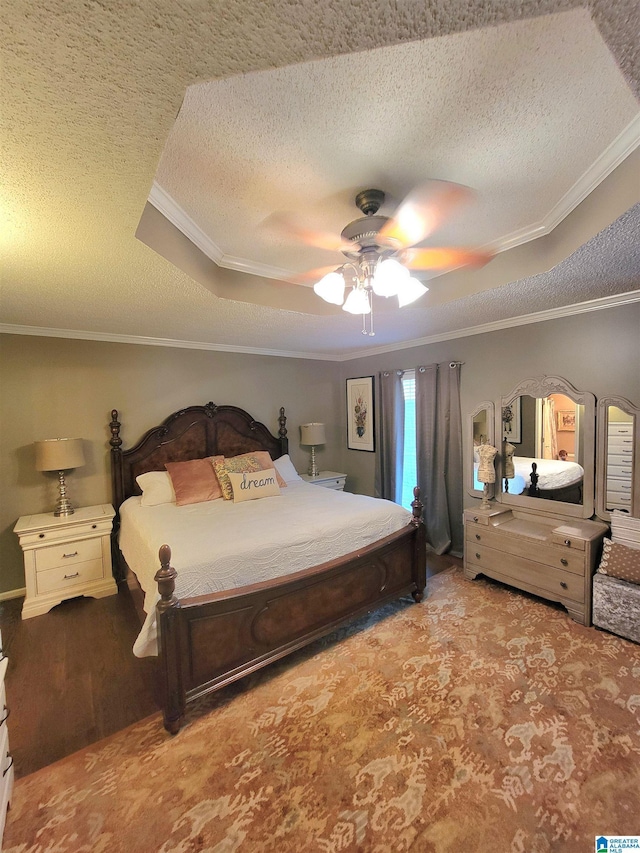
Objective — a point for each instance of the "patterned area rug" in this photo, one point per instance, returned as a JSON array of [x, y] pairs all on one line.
[[481, 719]]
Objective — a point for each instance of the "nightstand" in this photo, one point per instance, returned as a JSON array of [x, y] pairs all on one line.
[[327, 479], [66, 556]]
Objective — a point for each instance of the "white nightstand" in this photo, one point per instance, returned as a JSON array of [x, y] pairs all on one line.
[[66, 556], [327, 479]]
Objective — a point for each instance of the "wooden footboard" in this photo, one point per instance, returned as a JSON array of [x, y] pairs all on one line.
[[210, 641]]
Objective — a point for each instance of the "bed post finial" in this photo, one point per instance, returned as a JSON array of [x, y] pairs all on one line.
[[115, 441], [282, 420], [416, 506], [165, 577]]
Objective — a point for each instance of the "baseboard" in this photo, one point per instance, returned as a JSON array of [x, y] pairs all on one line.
[[13, 593]]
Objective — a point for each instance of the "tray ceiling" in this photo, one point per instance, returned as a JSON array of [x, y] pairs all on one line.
[[223, 119]]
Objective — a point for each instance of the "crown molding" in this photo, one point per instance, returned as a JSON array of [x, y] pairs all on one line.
[[524, 320], [621, 147], [509, 323], [163, 202]]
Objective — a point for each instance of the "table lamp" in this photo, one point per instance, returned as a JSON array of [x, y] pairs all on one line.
[[312, 434], [60, 454]]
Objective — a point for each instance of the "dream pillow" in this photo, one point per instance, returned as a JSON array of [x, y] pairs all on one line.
[[256, 460], [250, 485], [156, 488], [194, 481]]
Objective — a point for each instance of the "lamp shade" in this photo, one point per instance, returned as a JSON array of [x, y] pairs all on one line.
[[59, 454], [312, 434]]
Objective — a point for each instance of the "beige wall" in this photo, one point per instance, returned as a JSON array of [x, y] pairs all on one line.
[[597, 352], [54, 387], [64, 388]]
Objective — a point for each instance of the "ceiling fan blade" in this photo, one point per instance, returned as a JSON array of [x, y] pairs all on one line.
[[422, 211], [310, 277], [444, 258], [285, 225]]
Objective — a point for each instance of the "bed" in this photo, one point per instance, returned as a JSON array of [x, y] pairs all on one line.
[[206, 640], [557, 480]]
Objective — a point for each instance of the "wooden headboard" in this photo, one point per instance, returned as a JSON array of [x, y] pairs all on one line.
[[191, 433]]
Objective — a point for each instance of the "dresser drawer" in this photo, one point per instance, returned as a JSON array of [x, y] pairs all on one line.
[[337, 484], [471, 517], [620, 469], [70, 531], [67, 577], [68, 554], [536, 552], [559, 583]]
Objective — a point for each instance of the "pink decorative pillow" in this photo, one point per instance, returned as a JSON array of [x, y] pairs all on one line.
[[194, 481]]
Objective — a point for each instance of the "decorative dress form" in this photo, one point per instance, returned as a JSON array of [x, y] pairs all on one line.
[[509, 468], [486, 471]]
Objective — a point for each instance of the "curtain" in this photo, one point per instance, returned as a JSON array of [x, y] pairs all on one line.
[[439, 452], [550, 450], [391, 437]]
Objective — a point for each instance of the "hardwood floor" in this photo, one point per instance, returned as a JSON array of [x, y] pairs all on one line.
[[73, 679]]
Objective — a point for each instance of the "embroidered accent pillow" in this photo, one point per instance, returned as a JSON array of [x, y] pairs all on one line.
[[156, 488], [256, 460], [249, 486], [194, 481], [619, 561]]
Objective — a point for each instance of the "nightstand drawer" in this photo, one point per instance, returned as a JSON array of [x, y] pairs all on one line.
[[65, 577], [68, 554], [88, 528]]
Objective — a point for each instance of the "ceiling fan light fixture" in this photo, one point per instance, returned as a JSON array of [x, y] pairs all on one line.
[[389, 277], [410, 290], [331, 288], [357, 302]]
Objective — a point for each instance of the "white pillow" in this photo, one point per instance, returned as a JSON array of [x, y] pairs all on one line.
[[251, 485], [157, 488], [284, 467], [625, 529]]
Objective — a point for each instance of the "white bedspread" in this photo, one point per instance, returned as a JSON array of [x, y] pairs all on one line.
[[219, 545]]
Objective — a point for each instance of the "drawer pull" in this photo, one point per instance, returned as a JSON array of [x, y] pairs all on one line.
[[475, 518], [4, 719], [563, 584], [93, 526], [66, 556], [8, 767], [41, 535], [70, 577], [477, 556], [478, 537], [564, 562], [567, 542]]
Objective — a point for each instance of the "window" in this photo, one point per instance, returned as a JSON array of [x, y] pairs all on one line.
[[409, 467]]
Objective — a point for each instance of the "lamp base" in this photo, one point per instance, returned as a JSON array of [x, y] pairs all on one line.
[[313, 468], [63, 505]]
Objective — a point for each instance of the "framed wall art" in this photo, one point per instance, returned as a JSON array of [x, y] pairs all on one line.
[[511, 421], [360, 414]]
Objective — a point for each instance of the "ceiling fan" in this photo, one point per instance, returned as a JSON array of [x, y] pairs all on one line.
[[381, 251]]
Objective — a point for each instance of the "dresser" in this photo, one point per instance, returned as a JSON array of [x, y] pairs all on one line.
[[66, 556], [553, 557], [6, 759], [619, 465], [327, 479]]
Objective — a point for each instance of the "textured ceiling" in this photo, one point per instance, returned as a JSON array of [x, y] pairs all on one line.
[[92, 91]]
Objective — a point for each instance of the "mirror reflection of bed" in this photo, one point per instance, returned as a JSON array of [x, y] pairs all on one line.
[[545, 437]]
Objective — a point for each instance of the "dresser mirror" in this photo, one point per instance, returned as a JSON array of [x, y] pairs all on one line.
[[546, 457], [480, 430], [618, 474]]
